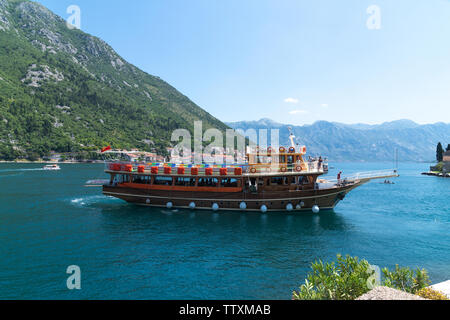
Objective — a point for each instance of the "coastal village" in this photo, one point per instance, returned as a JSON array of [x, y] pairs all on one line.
[[133, 155], [138, 156]]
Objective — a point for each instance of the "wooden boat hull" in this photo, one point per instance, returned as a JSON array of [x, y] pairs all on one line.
[[325, 199]]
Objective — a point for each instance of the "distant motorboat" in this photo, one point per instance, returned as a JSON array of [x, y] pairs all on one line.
[[52, 167]]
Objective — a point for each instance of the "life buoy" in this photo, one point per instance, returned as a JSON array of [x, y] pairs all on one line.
[[283, 169], [291, 150], [253, 170], [298, 168], [269, 150], [282, 149]]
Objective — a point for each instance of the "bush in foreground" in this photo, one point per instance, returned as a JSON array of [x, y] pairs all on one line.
[[349, 278], [431, 294]]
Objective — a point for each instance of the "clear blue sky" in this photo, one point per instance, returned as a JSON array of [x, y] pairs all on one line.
[[293, 61]]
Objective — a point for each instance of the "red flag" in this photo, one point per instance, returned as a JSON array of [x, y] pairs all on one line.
[[106, 149]]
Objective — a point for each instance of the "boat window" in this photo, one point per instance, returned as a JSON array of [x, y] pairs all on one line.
[[275, 180], [163, 181], [229, 183], [138, 179], [185, 182], [304, 180], [290, 159], [208, 182], [124, 178], [282, 159], [278, 181]]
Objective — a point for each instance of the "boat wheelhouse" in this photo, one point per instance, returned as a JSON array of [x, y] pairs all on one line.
[[271, 180]]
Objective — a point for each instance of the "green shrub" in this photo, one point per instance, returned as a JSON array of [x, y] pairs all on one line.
[[344, 280], [349, 278], [431, 294], [406, 279], [439, 166]]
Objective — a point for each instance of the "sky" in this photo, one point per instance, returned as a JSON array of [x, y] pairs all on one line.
[[292, 61]]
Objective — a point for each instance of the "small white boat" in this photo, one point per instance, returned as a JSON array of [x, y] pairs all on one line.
[[52, 167]]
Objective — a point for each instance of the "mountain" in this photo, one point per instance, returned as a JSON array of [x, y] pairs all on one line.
[[361, 142], [65, 90]]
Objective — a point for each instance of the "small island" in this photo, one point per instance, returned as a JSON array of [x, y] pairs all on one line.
[[442, 168]]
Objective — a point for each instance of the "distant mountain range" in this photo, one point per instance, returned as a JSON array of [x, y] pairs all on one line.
[[68, 91], [362, 142]]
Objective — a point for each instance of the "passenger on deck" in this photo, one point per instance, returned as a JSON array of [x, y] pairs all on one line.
[[320, 162]]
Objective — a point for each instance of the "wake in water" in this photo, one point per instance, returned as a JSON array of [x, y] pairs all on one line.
[[7, 173], [21, 170], [92, 201]]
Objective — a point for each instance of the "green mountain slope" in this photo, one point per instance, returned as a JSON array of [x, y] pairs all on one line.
[[65, 90]]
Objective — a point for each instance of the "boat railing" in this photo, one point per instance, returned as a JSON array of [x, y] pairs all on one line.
[[368, 175], [312, 167]]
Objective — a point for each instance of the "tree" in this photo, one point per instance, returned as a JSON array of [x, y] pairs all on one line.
[[439, 153], [448, 148], [349, 278]]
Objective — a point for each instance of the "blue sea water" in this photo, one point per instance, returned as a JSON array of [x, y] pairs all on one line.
[[49, 221]]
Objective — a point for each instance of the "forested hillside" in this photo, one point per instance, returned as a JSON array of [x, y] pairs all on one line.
[[65, 90]]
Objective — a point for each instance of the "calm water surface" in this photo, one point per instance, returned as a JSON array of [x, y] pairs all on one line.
[[49, 221]]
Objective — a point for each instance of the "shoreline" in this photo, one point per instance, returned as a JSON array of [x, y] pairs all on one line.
[[52, 162], [436, 174]]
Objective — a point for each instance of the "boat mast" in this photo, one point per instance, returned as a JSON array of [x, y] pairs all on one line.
[[291, 137], [396, 159]]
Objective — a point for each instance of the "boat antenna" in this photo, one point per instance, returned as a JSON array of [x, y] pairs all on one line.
[[396, 159], [291, 137]]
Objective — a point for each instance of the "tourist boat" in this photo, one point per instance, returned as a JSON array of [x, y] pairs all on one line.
[[290, 183], [52, 167]]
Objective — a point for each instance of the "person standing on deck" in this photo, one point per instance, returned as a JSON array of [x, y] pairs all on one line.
[[320, 162], [339, 177]]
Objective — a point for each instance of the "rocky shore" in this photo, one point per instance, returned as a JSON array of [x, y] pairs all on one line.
[[437, 174], [385, 293]]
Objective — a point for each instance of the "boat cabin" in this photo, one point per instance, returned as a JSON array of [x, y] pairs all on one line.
[[215, 182], [281, 161]]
